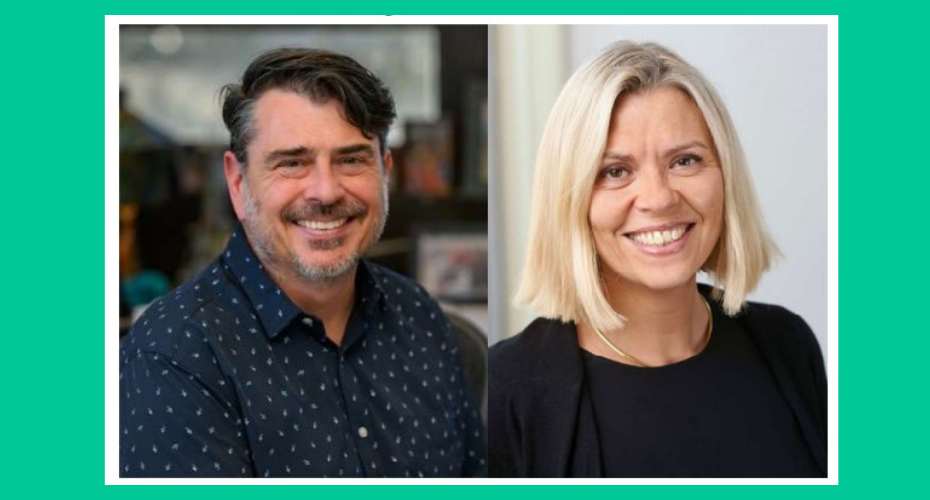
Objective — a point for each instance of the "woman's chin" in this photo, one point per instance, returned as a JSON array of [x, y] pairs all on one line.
[[661, 280]]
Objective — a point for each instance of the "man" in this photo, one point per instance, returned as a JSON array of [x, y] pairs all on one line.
[[290, 356]]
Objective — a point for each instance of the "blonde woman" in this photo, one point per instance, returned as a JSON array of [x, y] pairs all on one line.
[[633, 368]]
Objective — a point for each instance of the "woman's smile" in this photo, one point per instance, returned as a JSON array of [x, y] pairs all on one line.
[[660, 241]]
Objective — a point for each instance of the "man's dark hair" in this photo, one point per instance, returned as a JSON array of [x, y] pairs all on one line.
[[316, 74]]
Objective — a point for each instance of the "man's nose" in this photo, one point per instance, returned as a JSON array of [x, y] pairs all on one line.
[[324, 185]]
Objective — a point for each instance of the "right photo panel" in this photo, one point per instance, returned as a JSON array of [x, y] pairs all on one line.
[[658, 251]]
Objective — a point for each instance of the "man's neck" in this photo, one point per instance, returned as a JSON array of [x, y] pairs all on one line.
[[329, 300]]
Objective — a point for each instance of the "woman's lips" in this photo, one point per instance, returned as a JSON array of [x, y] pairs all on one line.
[[666, 240]]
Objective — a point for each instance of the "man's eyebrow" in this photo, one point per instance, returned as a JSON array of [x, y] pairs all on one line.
[[278, 154], [355, 148]]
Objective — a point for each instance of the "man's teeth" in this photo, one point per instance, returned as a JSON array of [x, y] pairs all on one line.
[[322, 225], [659, 238]]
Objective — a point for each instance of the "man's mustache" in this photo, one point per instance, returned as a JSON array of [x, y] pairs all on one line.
[[311, 210]]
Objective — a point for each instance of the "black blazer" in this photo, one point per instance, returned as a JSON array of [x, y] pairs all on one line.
[[540, 416]]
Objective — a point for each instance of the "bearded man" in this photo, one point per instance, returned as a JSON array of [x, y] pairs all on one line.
[[290, 355]]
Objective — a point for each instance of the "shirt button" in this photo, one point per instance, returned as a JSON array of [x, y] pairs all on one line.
[[362, 432], [308, 321]]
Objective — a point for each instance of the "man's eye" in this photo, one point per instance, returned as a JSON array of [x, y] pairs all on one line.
[[290, 163], [353, 160]]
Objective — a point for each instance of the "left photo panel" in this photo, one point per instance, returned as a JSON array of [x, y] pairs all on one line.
[[302, 254]]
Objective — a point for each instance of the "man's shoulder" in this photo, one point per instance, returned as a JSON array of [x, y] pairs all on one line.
[[409, 303], [394, 283], [177, 321], [399, 289]]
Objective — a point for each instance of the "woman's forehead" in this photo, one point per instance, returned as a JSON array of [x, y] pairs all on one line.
[[663, 118]]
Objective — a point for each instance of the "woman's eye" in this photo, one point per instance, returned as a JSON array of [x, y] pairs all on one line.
[[687, 161], [614, 173]]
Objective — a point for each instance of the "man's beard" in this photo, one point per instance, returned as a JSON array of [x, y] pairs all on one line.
[[261, 238]]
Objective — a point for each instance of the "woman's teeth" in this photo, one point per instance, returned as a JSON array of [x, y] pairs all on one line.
[[659, 238], [322, 225]]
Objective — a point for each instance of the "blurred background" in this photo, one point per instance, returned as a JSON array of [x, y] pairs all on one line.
[[174, 212], [773, 80]]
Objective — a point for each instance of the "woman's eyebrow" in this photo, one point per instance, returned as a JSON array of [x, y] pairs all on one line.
[[620, 156], [617, 156], [688, 145]]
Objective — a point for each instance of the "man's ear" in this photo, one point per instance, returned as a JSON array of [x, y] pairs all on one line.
[[388, 161], [235, 176]]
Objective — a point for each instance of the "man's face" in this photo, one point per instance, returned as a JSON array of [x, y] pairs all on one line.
[[313, 196]]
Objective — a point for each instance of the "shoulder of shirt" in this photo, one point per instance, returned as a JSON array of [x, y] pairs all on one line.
[[527, 354], [396, 285], [425, 313], [391, 280], [174, 323], [778, 326]]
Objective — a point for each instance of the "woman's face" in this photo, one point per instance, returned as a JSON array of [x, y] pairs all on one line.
[[657, 204]]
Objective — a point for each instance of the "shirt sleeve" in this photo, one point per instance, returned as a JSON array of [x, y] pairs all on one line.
[[476, 464], [173, 423], [469, 415]]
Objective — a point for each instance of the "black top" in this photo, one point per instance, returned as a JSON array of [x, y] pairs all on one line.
[[717, 414], [225, 376], [541, 412]]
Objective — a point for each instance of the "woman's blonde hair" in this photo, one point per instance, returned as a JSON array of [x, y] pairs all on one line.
[[560, 276]]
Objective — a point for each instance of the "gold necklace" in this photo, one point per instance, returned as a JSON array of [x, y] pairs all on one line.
[[637, 361]]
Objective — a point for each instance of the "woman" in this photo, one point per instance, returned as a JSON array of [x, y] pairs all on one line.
[[634, 369]]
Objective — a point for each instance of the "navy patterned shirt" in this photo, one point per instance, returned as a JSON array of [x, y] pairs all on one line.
[[225, 376]]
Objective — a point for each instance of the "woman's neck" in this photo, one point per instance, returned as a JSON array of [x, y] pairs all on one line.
[[663, 326]]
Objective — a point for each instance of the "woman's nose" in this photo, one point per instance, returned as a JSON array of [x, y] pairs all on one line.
[[655, 193]]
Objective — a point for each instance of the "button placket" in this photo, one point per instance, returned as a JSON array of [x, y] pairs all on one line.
[[356, 410]]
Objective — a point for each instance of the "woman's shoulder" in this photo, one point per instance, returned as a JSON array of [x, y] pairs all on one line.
[[776, 319], [536, 338], [521, 355], [770, 324], [779, 328]]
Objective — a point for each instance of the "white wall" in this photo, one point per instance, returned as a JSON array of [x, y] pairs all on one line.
[[526, 74], [773, 80]]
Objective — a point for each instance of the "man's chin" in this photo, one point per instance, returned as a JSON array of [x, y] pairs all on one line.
[[325, 270], [325, 244]]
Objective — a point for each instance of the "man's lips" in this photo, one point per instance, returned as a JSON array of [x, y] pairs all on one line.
[[324, 229], [323, 225]]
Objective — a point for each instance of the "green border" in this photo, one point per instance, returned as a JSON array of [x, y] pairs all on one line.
[[53, 206]]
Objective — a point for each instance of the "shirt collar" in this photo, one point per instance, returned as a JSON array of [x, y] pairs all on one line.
[[369, 287], [274, 309]]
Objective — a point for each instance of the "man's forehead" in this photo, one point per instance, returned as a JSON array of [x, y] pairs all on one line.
[[286, 119]]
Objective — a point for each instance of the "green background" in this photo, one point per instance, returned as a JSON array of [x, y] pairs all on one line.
[[53, 244]]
